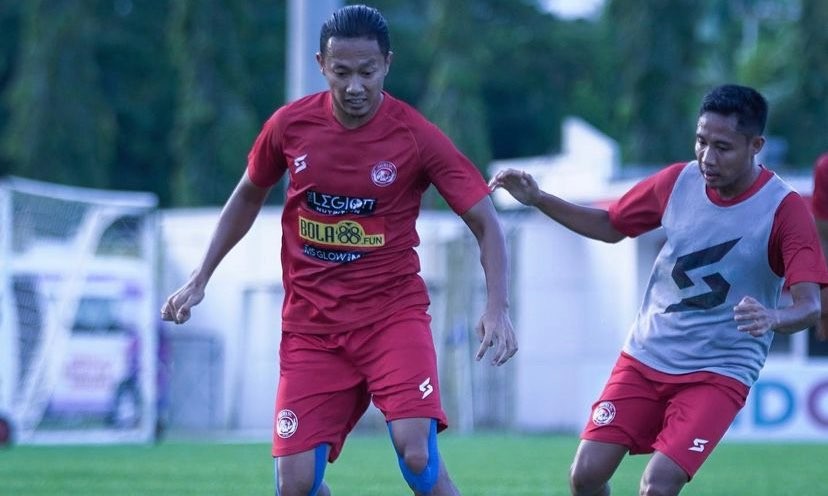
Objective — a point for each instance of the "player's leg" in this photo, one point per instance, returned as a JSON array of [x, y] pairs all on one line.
[[593, 466], [626, 418], [415, 441], [319, 400], [398, 359], [662, 477], [302, 473], [697, 417]]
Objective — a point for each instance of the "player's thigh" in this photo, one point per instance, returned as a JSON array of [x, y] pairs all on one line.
[[595, 462], [300, 472], [320, 396], [697, 418], [400, 366]]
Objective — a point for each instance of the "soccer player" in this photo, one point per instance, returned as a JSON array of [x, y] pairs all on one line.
[[820, 209], [355, 327], [735, 235]]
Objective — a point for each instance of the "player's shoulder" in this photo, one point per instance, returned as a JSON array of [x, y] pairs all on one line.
[[310, 107], [793, 204], [407, 115], [822, 162], [667, 176], [302, 107]]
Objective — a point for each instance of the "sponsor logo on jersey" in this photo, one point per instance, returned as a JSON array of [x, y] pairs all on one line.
[[426, 388], [345, 233], [698, 445], [383, 174], [300, 163], [286, 423], [326, 204], [331, 255], [603, 413]]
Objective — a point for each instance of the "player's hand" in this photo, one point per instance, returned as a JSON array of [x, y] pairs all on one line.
[[753, 318], [178, 305], [494, 330], [519, 184]]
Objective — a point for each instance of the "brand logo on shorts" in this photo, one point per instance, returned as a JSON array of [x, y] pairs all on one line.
[[603, 413], [698, 445], [426, 387], [286, 424], [383, 174]]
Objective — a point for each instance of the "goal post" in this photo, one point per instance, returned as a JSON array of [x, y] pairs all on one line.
[[78, 323]]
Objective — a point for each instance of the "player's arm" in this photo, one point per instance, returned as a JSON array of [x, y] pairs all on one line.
[[495, 327], [822, 325], [752, 317], [235, 220], [587, 221]]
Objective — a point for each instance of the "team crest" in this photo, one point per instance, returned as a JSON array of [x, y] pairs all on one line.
[[604, 413], [286, 423], [383, 174]]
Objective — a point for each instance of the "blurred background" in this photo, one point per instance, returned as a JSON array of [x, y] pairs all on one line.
[[125, 124], [167, 96]]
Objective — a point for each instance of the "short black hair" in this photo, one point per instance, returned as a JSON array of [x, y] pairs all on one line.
[[749, 106], [356, 21]]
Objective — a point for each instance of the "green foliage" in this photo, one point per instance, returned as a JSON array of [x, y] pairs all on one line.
[[60, 127], [167, 96], [213, 120]]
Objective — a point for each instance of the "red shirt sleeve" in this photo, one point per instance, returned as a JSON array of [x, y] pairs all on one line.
[[820, 195], [641, 208], [459, 182], [794, 250], [265, 161]]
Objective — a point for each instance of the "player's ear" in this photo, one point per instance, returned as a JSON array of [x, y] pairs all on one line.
[[320, 59], [388, 59], [756, 144]]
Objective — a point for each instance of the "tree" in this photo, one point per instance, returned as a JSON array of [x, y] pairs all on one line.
[[657, 58], [453, 99], [60, 127], [214, 122], [803, 115]]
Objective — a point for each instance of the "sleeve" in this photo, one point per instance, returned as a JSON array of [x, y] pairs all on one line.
[[640, 209], [820, 195], [794, 249], [265, 161], [459, 182]]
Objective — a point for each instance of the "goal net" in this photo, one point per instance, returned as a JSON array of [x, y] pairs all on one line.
[[78, 323]]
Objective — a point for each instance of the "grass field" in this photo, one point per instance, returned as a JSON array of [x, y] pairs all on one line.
[[481, 466]]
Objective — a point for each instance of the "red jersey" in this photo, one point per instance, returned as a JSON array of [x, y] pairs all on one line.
[[820, 194], [793, 248], [348, 225]]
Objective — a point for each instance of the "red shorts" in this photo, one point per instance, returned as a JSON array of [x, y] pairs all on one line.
[[682, 416], [326, 381]]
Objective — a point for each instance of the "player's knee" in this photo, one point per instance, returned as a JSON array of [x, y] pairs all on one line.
[[415, 458], [656, 485], [295, 479], [420, 465], [656, 489], [584, 479]]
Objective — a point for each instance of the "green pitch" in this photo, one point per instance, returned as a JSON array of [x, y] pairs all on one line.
[[481, 465]]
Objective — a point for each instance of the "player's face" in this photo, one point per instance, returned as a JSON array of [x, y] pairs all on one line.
[[355, 69], [726, 156]]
